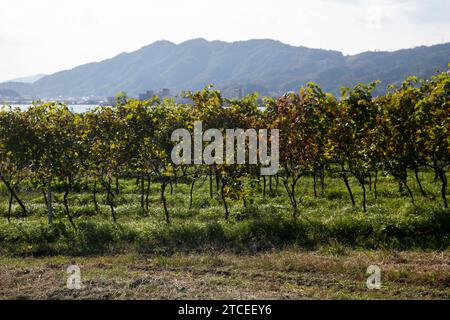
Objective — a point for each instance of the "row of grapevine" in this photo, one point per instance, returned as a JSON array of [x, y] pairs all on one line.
[[358, 135]]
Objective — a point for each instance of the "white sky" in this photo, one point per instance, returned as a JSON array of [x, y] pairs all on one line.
[[45, 36]]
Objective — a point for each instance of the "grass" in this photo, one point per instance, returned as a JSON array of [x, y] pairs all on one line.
[[274, 274], [266, 223], [262, 252]]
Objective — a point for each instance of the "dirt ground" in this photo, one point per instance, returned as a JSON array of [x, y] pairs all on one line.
[[287, 274]]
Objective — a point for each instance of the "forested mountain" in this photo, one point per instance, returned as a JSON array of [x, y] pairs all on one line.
[[267, 66]]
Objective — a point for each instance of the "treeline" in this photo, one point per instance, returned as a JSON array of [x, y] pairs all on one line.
[[359, 136]]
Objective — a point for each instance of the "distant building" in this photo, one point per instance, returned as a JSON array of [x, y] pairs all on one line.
[[92, 101], [111, 101], [146, 96], [165, 93]]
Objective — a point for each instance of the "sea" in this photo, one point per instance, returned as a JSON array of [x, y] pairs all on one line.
[[76, 108]]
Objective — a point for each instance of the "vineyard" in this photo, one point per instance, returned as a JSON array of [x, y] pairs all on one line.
[[359, 171]]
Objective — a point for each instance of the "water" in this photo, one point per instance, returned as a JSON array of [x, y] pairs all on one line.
[[77, 108]]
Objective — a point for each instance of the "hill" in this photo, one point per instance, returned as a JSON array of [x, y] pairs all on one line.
[[29, 79], [268, 66]]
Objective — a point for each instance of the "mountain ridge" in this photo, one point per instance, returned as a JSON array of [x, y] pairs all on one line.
[[28, 79], [268, 65]]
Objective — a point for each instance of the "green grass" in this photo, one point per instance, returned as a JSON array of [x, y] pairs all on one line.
[[327, 220], [261, 253]]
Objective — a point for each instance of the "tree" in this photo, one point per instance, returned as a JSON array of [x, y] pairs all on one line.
[[55, 148], [352, 144], [432, 114], [397, 131], [14, 153]]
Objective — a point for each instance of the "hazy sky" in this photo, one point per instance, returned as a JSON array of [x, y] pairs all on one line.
[[45, 36]]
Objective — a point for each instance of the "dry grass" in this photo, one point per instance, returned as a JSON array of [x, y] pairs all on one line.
[[289, 274]]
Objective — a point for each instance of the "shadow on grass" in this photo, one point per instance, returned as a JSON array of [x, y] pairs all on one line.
[[422, 228]]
